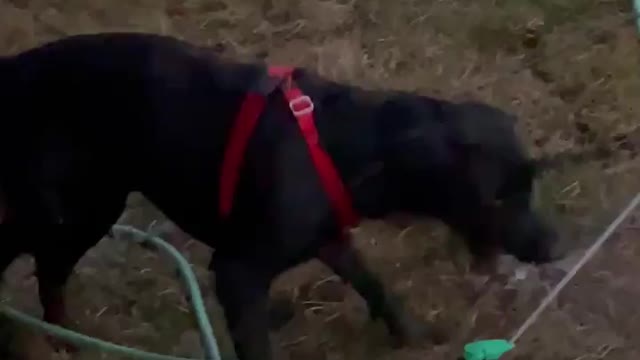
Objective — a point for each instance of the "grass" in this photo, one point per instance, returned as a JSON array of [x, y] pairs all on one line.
[[568, 68]]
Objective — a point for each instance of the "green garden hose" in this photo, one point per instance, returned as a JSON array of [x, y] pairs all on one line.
[[208, 339]]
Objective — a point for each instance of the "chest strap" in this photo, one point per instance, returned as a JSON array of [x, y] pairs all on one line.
[[302, 108]]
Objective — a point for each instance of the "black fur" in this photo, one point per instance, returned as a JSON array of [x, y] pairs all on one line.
[[88, 119]]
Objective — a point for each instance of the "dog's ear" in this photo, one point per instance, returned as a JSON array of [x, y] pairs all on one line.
[[491, 179], [481, 172], [519, 180]]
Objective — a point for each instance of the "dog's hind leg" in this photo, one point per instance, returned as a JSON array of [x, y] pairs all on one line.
[[84, 223], [344, 260], [55, 262]]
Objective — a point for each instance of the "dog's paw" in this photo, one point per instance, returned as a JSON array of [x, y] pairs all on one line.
[[413, 332], [409, 332]]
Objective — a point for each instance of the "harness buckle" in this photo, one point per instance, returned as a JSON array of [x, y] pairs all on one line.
[[302, 105]]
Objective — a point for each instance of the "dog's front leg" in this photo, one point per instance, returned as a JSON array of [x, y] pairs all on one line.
[[52, 277], [344, 260], [53, 271], [243, 292], [6, 258]]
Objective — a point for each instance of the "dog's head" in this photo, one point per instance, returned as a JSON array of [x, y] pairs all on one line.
[[463, 163]]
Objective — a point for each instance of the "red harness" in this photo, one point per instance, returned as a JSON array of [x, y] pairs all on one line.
[[302, 108]]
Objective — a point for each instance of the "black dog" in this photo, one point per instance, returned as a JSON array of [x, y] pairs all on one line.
[[90, 118]]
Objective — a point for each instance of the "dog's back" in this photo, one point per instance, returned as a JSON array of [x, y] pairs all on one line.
[[104, 114]]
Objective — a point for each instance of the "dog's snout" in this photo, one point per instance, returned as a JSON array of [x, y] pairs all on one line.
[[532, 240]]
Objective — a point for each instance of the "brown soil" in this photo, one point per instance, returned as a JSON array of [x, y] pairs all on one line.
[[569, 68]]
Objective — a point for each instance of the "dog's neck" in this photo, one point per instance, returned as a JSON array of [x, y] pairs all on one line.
[[349, 121], [373, 136]]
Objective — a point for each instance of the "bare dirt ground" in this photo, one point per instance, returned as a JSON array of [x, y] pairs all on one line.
[[569, 68]]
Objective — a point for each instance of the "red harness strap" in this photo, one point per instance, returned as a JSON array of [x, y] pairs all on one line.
[[302, 108]]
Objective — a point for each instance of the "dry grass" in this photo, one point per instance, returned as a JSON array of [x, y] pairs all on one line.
[[569, 69]]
